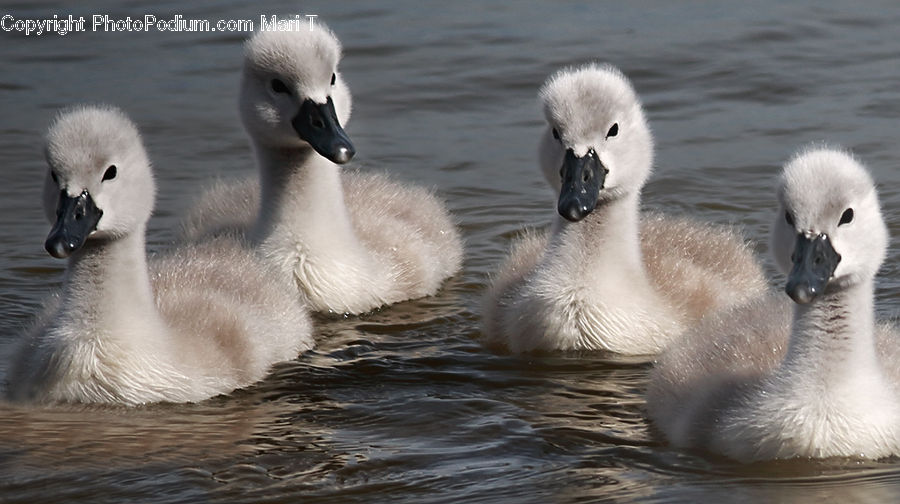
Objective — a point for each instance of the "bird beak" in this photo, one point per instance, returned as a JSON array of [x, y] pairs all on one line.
[[317, 124], [814, 263], [582, 179], [76, 219]]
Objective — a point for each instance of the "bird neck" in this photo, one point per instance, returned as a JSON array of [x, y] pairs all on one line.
[[833, 338], [611, 233], [107, 283], [300, 189]]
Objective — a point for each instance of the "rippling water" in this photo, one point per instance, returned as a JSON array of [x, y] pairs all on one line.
[[404, 404]]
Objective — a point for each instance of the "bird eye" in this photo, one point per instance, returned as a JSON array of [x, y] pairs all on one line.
[[54, 177], [846, 217], [333, 78], [279, 87], [110, 173], [613, 130], [789, 218], [555, 134]]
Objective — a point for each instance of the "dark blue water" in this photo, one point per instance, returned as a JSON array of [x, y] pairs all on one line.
[[404, 405]]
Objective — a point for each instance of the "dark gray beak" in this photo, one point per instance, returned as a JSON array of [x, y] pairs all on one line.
[[582, 179], [317, 124], [76, 219], [814, 263]]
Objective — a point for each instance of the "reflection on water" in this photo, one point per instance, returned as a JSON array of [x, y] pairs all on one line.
[[404, 404]]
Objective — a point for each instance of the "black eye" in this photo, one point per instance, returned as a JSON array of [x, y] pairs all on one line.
[[110, 173], [613, 130], [789, 218], [333, 78], [555, 134], [54, 177], [279, 87], [846, 217]]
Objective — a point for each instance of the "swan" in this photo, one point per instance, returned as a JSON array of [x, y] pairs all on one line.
[[816, 378], [352, 242], [606, 277], [196, 322]]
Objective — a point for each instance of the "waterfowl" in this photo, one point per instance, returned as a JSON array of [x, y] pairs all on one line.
[[193, 323], [815, 378], [605, 276], [351, 242]]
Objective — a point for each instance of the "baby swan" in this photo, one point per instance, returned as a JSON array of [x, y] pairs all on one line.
[[201, 321], [757, 383], [604, 277], [351, 242]]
